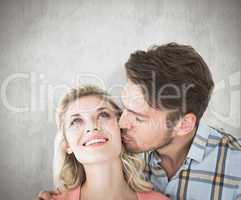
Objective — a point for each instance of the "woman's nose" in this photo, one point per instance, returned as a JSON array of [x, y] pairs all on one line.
[[89, 130], [91, 126]]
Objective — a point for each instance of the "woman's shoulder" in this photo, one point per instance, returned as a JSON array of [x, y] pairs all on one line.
[[151, 195], [74, 194]]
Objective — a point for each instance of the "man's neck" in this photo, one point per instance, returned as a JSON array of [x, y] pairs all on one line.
[[105, 181], [173, 155]]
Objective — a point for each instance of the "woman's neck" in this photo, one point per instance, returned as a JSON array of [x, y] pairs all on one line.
[[105, 181]]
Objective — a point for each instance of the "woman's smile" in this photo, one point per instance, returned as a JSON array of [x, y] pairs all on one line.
[[94, 140]]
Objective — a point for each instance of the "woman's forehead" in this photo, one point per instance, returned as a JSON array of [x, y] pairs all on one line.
[[88, 104]]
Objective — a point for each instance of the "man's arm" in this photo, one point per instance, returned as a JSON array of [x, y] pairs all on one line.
[[46, 195]]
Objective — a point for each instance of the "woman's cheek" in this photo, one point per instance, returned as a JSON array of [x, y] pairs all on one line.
[[111, 128], [71, 139]]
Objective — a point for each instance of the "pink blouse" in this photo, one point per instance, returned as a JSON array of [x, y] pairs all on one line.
[[75, 195]]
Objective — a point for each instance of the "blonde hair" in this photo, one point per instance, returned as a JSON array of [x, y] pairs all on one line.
[[67, 171]]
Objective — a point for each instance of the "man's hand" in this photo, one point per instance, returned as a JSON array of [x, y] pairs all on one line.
[[46, 195]]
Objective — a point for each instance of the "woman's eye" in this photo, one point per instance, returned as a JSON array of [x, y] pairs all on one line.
[[76, 121], [104, 115]]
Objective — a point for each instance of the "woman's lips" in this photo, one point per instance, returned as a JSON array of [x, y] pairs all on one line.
[[95, 142], [95, 139]]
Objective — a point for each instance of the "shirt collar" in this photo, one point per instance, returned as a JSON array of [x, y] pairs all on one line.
[[154, 159], [198, 146]]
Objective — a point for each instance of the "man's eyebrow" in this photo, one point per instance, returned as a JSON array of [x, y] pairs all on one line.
[[132, 111], [136, 113]]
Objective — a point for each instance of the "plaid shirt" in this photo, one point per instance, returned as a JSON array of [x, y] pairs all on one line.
[[212, 169]]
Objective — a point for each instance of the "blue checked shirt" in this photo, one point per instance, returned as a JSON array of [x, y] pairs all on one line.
[[212, 169]]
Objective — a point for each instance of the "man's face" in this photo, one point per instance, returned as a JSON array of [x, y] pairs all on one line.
[[144, 127]]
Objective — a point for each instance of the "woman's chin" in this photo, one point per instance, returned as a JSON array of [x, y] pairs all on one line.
[[96, 157]]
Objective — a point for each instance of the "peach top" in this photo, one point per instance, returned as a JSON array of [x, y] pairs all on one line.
[[75, 195]]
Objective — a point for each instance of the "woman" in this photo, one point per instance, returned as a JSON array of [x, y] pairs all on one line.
[[90, 161]]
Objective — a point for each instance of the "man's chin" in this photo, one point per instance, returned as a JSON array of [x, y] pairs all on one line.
[[132, 148], [163, 146]]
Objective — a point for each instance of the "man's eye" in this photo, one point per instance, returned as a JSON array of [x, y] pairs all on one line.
[[104, 115], [139, 119], [76, 121]]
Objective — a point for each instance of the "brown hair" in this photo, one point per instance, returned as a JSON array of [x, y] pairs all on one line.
[[172, 77]]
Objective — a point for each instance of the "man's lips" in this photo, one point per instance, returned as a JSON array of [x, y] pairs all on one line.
[[126, 139], [94, 138]]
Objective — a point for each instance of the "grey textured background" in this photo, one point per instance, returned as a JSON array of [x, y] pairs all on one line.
[[47, 45]]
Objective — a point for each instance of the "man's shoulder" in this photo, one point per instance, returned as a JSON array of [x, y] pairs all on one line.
[[227, 150], [219, 137]]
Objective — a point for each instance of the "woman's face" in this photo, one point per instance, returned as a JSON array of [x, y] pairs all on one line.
[[92, 130]]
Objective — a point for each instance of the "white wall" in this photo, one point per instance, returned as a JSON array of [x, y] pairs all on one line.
[[46, 44]]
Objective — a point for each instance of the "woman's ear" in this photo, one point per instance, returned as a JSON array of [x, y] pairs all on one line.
[[186, 124], [69, 150], [66, 148]]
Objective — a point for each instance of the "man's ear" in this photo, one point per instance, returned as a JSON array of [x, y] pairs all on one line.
[[186, 124]]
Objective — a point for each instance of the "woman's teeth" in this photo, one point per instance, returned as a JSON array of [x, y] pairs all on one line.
[[95, 141]]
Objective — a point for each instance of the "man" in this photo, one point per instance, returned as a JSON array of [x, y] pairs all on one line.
[[168, 90]]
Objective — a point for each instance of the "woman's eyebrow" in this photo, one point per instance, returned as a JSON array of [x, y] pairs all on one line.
[[98, 110], [102, 108], [75, 115]]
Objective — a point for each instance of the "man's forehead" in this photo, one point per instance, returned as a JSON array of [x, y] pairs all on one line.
[[133, 98], [131, 88]]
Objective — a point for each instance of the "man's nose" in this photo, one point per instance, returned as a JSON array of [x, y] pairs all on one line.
[[124, 121]]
